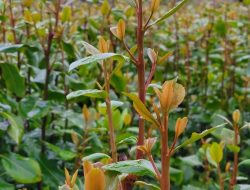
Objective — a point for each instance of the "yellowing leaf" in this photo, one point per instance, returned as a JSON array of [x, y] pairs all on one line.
[[216, 152], [27, 3], [105, 8], [121, 29], [66, 14], [27, 16], [155, 5], [141, 109], [152, 55], [180, 126], [165, 57], [179, 94]]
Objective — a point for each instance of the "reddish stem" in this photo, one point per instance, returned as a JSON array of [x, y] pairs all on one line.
[[141, 74], [165, 157], [151, 159], [221, 181]]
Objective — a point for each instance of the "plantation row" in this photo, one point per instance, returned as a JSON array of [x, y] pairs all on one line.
[[122, 95]]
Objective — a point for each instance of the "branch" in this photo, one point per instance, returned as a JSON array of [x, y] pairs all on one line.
[[146, 25], [155, 167], [134, 60], [151, 74]]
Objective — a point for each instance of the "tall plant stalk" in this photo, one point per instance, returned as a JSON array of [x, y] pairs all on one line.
[[109, 112], [165, 157], [141, 73], [48, 69], [233, 180]]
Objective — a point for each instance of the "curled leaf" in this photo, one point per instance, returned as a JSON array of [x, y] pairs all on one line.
[[180, 126]]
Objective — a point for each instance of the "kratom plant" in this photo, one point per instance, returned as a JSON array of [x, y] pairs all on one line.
[[215, 153], [170, 97], [205, 44]]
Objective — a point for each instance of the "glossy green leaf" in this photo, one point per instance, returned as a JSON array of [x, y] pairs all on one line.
[[97, 58], [64, 154], [227, 136], [14, 81], [22, 169], [136, 167], [169, 13], [88, 93], [129, 140], [147, 185], [15, 131], [10, 48], [114, 104], [95, 156], [233, 148], [192, 160], [141, 109], [52, 175], [6, 186], [197, 136], [90, 49], [245, 163]]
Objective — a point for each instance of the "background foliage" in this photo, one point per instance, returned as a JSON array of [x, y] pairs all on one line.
[[41, 131]]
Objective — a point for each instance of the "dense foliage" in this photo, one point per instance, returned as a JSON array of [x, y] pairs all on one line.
[[70, 72]]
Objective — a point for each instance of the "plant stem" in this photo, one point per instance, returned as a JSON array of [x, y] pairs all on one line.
[[47, 51], [221, 181], [165, 157], [233, 181], [151, 159], [109, 112], [46, 87], [141, 74]]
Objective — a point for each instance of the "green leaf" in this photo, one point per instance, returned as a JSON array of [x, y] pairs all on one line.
[[52, 176], [97, 58], [95, 156], [136, 167], [15, 131], [141, 109], [22, 169], [129, 140], [6, 186], [90, 49], [117, 120], [197, 136], [10, 48], [216, 152], [227, 135], [192, 160], [233, 148], [64, 154], [169, 13], [112, 181], [148, 185], [114, 104], [245, 163], [176, 175], [94, 93], [221, 28], [14, 81]]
